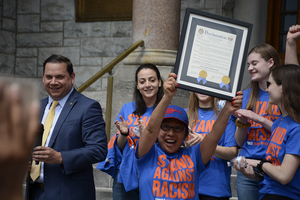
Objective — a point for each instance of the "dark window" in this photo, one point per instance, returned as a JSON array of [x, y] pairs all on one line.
[[281, 15]]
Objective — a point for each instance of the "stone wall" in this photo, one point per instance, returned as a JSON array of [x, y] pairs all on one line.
[[32, 30], [7, 36]]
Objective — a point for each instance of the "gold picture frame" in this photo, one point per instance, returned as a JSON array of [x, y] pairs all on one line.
[[103, 10]]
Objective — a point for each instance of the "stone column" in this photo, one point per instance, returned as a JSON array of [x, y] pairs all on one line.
[[243, 10], [157, 23]]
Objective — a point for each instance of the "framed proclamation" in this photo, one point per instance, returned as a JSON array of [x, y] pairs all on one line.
[[212, 54]]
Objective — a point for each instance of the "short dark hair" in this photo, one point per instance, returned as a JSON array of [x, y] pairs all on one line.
[[55, 58]]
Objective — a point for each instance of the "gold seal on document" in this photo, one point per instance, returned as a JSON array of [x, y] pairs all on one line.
[[201, 31], [203, 74], [225, 80]]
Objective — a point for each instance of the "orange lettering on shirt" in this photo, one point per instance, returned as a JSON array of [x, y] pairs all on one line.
[[173, 165], [189, 175], [173, 194], [263, 108], [195, 124], [189, 161], [209, 125], [274, 161], [251, 135], [172, 178], [156, 188], [165, 174], [265, 135], [157, 173], [111, 142], [179, 190], [271, 149], [182, 175], [130, 118], [130, 141], [161, 161], [180, 163], [164, 189], [191, 190], [201, 126], [184, 190], [278, 136]]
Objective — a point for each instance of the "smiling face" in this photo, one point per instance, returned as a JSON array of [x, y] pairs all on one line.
[[204, 100], [170, 141], [57, 80], [275, 92], [259, 68], [148, 83]]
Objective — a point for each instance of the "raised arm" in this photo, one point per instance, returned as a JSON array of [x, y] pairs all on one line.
[[150, 132], [244, 115], [210, 141], [291, 45]]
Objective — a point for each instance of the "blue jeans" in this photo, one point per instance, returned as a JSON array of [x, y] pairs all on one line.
[[119, 192], [247, 189]]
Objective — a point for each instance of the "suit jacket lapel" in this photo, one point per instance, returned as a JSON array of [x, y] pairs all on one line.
[[72, 100]]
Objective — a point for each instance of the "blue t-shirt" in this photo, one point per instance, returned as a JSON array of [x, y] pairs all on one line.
[[125, 162], [170, 176], [285, 139], [215, 180], [258, 137]]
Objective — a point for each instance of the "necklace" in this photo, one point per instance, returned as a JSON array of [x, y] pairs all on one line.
[[206, 110]]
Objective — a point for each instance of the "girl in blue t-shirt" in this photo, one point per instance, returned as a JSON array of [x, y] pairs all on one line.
[[256, 116], [120, 162], [214, 182], [166, 169], [280, 168]]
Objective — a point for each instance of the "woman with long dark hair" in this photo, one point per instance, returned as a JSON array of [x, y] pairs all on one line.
[[120, 163]]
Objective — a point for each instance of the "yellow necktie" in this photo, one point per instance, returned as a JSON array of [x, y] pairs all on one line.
[[35, 168]]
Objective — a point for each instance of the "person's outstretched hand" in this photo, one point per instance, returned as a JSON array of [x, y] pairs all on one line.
[[18, 128]]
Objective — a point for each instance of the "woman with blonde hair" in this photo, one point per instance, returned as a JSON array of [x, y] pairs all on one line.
[[214, 182]]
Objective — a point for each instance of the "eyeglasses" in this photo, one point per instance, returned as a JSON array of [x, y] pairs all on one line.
[[175, 128], [269, 83]]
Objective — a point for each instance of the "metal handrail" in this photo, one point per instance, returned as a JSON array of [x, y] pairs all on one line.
[[108, 69]]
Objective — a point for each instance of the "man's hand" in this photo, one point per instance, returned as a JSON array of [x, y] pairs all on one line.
[[47, 155]]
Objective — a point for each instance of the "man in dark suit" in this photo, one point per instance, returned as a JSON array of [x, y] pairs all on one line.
[[76, 139]]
